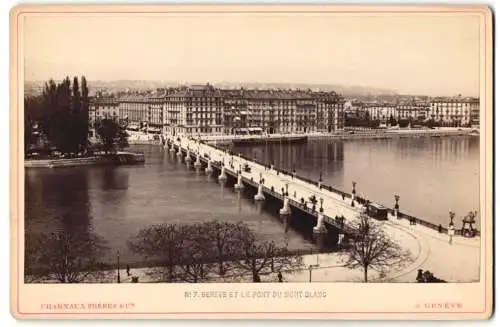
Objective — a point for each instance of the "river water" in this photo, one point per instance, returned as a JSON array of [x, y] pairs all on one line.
[[117, 202], [432, 176]]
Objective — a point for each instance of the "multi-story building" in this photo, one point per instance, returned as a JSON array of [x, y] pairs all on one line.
[[455, 111], [143, 112], [194, 110], [329, 112], [101, 108], [203, 109], [412, 111], [382, 112], [445, 111]]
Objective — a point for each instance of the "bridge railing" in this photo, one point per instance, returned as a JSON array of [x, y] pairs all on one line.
[[359, 199]]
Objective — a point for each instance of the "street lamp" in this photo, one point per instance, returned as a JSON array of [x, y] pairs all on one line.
[[353, 193], [396, 205], [118, 266], [452, 216], [310, 271]]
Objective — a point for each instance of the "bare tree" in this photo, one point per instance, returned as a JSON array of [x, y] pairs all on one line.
[[163, 243], [265, 256], [372, 248], [226, 245], [196, 253], [65, 257]]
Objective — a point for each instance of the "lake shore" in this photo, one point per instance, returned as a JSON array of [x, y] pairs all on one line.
[[120, 158]]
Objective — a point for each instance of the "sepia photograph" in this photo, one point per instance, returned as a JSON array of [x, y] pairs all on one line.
[[252, 152]]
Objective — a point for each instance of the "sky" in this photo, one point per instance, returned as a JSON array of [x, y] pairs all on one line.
[[418, 54]]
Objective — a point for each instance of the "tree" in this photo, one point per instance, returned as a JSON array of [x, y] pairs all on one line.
[[77, 117], [372, 248], [111, 134], [265, 256], [32, 109], [85, 111], [68, 257], [225, 241], [61, 112], [196, 252], [163, 243]]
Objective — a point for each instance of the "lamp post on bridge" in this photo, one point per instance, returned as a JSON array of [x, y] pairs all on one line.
[[396, 206], [353, 193], [452, 216]]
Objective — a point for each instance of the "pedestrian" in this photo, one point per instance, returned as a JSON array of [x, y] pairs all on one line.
[[440, 228], [128, 270], [451, 232], [280, 277]]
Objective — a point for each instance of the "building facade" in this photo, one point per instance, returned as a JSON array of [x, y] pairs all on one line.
[[203, 109], [194, 110], [456, 111], [101, 108], [453, 112]]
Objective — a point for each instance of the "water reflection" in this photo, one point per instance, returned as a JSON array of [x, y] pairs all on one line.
[[117, 202]]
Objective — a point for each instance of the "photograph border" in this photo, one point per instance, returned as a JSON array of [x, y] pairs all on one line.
[[486, 141]]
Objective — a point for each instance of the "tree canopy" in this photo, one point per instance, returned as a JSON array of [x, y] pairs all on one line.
[[372, 248], [62, 114], [195, 252]]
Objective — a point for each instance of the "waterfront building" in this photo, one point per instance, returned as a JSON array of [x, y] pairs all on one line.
[[412, 111], [143, 112], [100, 108], [455, 111], [194, 110], [381, 111], [203, 109]]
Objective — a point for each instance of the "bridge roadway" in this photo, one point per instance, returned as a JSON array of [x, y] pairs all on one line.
[[428, 249]]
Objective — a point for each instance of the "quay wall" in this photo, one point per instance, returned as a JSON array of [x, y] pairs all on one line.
[[344, 135], [116, 159]]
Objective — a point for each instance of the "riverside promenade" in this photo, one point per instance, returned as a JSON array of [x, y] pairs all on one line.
[[430, 250]]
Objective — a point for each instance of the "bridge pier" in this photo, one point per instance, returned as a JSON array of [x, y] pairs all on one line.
[[188, 157], [179, 152], [197, 163], [223, 176], [340, 241], [320, 232], [260, 194], [209, 169], [286, 207], [239, 184], [285, 212]]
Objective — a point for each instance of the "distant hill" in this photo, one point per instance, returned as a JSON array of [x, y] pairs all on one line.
[[120, 85], [342, 89]]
